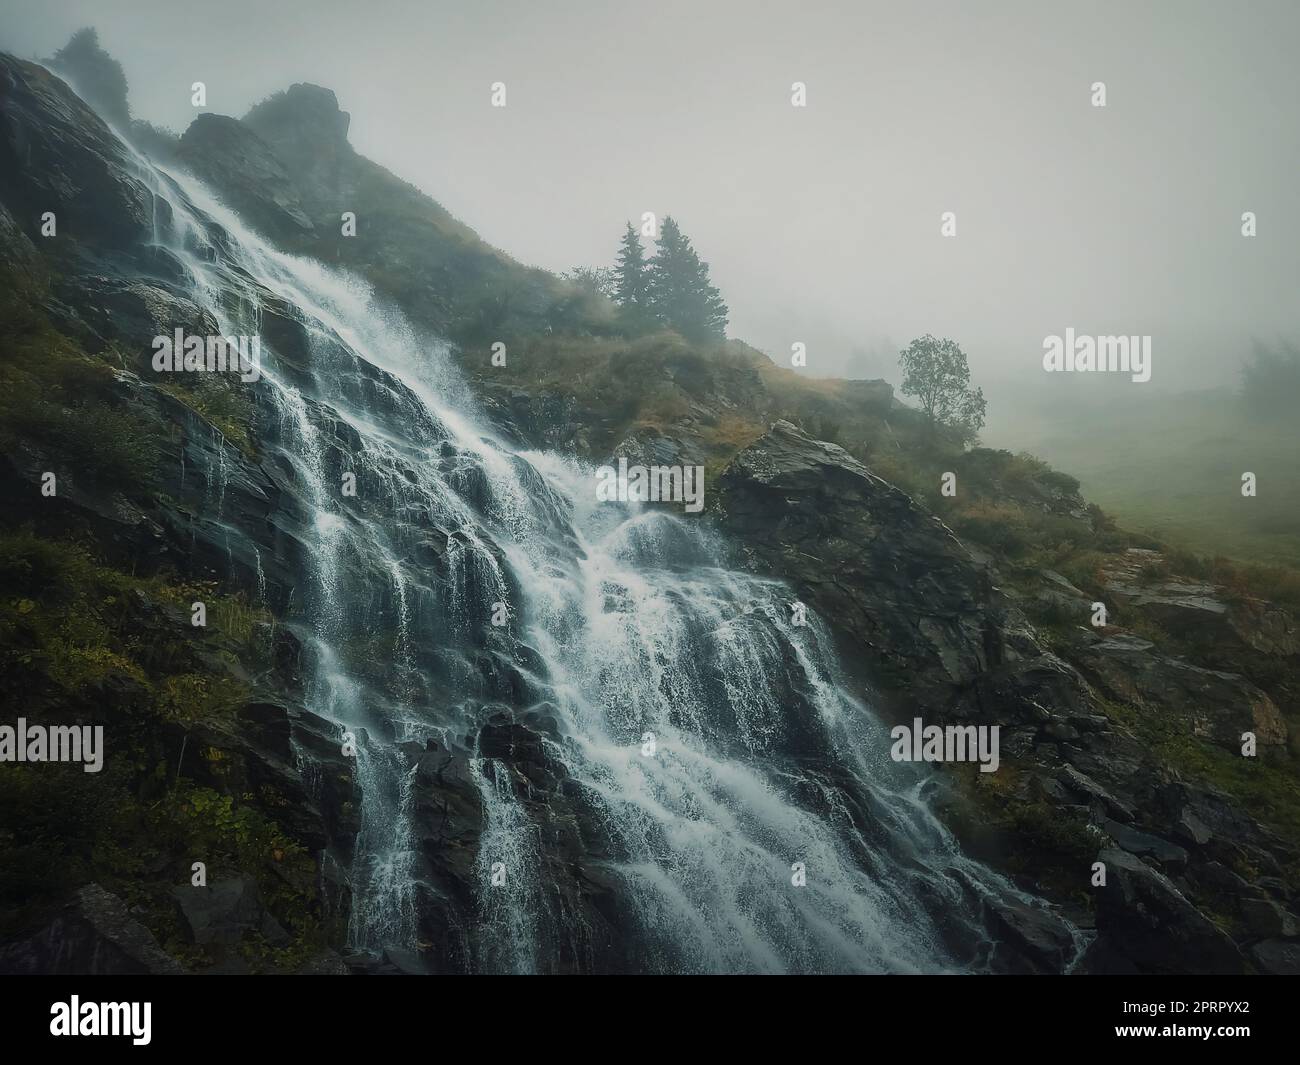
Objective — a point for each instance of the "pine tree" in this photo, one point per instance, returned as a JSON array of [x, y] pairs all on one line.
[[631, 285], [708, 312], [681, 294], [97, 76], [667, 270]]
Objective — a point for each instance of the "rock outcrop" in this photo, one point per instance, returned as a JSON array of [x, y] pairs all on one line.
[[915, 609], [94, 935], [58, 157], [1156, 927], [925, 622], [1194, 882], [1197, 611], [249, 174], [1220, 706]]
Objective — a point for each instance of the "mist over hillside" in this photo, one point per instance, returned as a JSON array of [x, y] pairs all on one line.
[[1171, 463], [822, 224], [470, 511], [826, 230]]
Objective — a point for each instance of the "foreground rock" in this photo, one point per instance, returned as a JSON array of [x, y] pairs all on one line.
[[1197, 611], [916, 609], [932, 633], [1159, 929], [93, 936]]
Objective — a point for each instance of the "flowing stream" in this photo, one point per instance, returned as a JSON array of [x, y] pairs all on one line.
[[713, 742]]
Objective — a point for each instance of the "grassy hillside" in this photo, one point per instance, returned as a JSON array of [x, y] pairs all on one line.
[[1172, 465]]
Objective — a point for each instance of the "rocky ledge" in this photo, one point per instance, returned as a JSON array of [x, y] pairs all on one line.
[[1194, 881]]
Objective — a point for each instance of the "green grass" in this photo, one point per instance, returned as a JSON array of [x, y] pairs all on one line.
[[1269, 791], [220, 403], [55, 396], [73, 628], [1171, 466]]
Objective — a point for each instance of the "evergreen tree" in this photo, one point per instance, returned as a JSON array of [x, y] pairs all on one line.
[[667, 270], [96, 75], [632, 278], [681, 294], [711, 310]]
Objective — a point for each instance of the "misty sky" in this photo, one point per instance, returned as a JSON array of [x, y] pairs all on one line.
[[820, 224]]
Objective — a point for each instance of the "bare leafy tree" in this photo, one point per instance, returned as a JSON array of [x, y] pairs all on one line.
[[937, 373], [598, 280]]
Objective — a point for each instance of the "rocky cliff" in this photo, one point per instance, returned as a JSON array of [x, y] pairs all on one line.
[[928, 626], [217, 754], [1118, 747]]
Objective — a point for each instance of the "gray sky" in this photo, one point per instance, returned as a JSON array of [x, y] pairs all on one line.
[[820, 224]]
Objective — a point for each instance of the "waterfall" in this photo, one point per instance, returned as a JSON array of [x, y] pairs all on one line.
[[713, 742]]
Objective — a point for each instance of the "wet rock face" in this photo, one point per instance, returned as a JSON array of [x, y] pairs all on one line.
[[583, 928], [57, 155], [259, 748], [450, 820], [132, 312], [916, 610], [863, 553]]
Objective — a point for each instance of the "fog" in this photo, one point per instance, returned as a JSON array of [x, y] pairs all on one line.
[[821, 224]]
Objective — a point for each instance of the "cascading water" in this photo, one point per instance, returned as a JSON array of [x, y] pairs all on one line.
[[712, 740]]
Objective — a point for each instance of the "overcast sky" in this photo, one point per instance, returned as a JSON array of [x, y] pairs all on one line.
[[821, 224]]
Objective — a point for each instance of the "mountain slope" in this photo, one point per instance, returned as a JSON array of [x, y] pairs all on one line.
[[1115, 747]]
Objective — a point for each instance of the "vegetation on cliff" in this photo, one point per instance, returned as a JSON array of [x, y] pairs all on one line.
[[85, 631], [85, 636]]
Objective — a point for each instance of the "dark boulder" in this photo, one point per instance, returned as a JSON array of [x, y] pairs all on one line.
[[1030, 939], [94, 935], [224, 912], [1147, 920]]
